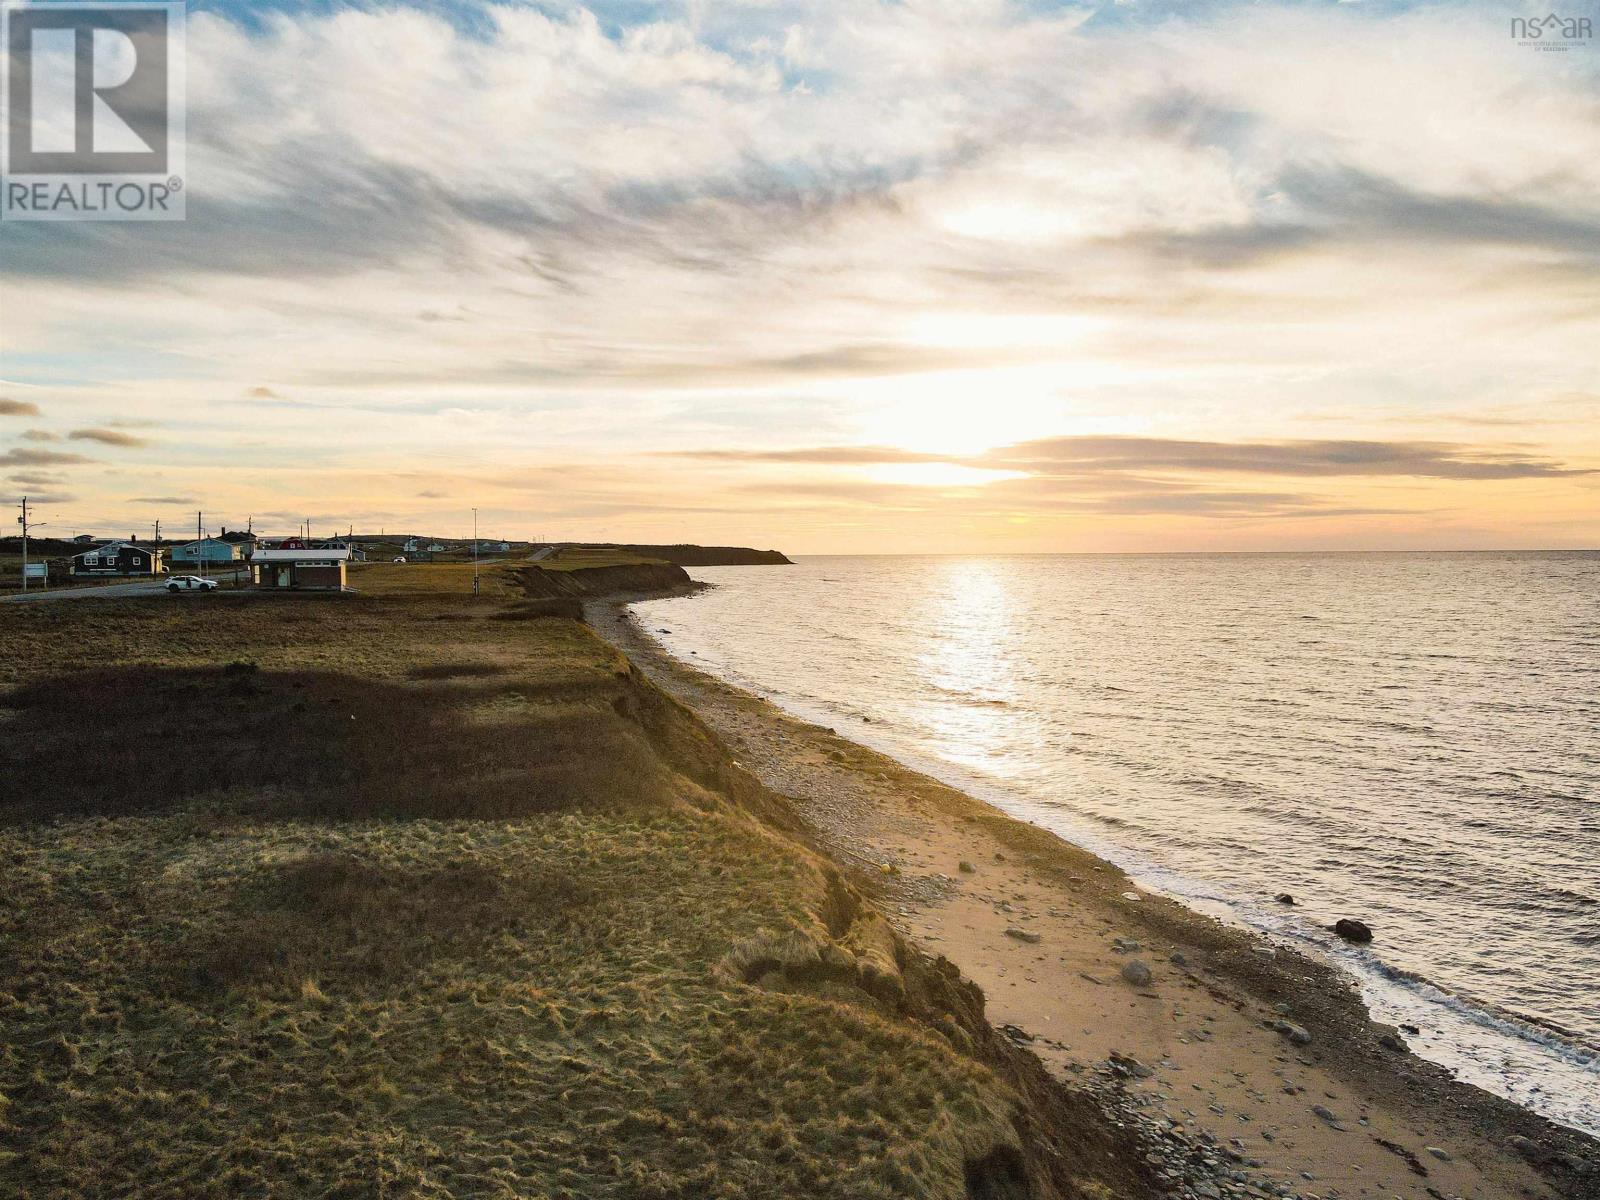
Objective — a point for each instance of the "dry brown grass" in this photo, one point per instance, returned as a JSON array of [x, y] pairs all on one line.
[[577, 558], [475, 941], [430, 578], [320, 744]]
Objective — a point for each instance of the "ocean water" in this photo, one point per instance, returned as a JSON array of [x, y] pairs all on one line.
[[1411, 739]]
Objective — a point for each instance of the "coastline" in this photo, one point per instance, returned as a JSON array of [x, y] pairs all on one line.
[[1205, 1047]]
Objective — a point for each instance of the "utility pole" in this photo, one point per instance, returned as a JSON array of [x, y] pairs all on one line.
[[23, 521], [474, 552], [199, 550]]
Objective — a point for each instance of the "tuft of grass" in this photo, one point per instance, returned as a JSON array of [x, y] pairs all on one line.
[[429, 904], [254, 1008]]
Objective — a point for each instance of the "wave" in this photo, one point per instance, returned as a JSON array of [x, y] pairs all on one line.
[[1154, 719]]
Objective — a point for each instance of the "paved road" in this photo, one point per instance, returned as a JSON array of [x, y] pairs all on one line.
[[542, 553], [142, 588]]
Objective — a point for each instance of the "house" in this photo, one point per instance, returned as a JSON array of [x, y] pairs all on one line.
[[435, 548], [356, 553], [293, 565], [212, 551], [245, 539], [118, 558], [411, 546], [84, 539]]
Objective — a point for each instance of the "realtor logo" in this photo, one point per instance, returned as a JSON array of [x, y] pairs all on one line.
[[93, 112]]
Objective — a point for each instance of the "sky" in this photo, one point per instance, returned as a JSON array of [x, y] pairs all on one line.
[[841, 276]]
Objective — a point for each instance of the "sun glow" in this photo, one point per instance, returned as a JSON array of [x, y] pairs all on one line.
[[937, 475], [998, 331]]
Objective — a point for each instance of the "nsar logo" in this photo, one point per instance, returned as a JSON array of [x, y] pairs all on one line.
[[1552, 32]]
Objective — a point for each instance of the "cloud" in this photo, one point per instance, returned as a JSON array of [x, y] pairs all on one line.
[[108, 437], [184, 500], [596, 236], [48, 498], [431, 495], [36, 478], [1127, 476], [1341, 205], [1206, 502], [18, 408], [39, 435], [827, 455], [1110, 497], [1428, 460], [1083, 457], [40, 458]]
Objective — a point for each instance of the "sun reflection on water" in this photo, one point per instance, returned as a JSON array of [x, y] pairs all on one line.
[[967, 654]]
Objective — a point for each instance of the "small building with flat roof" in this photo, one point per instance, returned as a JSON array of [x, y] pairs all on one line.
[[294, 566]]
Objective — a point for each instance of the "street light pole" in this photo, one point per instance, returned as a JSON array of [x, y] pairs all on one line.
[[474, 552]]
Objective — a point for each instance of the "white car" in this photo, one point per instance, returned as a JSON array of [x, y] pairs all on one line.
[[192, 583]]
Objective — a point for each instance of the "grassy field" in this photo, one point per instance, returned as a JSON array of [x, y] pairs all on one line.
[[459, 906], [495, 579], [576, 558], [11, 574], [424, 578]]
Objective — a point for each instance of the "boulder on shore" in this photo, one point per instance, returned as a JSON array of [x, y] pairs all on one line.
[[1136, 972], [1298, 1034], [1352, 930]]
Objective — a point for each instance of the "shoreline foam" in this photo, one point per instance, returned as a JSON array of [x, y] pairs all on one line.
[[1554, 1075], [1413, 1098]]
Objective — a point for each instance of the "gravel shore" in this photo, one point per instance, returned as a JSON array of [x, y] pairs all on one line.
[[1250, 1070]]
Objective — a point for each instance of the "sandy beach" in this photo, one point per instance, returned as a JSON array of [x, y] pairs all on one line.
[[1263, 1059]]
